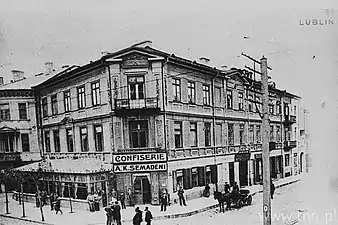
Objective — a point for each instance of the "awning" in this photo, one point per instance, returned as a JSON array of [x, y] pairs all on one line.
[[68, 166]]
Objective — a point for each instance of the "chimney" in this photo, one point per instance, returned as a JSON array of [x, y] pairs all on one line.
[[17, 75], [49, 68], [104, 53], [204, 60], [1, 81]]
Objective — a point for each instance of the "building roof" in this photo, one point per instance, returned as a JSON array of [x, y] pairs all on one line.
[[81, 165], [25, 84]]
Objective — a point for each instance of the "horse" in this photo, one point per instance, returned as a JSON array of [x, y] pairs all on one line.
[[222, 198]]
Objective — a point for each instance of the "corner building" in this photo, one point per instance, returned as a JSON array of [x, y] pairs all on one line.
[[162, 120]]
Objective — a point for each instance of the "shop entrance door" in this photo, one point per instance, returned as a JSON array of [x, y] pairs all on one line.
[[231, 173], [243, 173], [142, 190]]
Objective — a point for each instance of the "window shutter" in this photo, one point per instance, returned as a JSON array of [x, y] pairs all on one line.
[[213, 174], [201, 176], [174, 176]]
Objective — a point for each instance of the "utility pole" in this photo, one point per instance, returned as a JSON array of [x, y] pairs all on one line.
[[266, 137], [265, 145]]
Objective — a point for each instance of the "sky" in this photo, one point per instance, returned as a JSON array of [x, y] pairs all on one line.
[[303, 57]]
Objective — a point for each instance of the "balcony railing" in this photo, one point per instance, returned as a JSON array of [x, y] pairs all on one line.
[[289, 119], [138, 150], [151, 103], [10, 156], [290, 144]]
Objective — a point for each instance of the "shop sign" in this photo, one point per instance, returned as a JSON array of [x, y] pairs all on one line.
[[258, 156], [242, 157], [139, 158], [140, 167]]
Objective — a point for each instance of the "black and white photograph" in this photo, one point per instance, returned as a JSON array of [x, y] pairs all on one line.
[[168, 112]]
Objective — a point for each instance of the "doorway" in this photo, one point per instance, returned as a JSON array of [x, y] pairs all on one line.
[[231, 173], [243, 173], [142, 190]]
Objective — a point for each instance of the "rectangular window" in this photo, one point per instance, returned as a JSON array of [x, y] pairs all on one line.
[[241, 134], [178, 134], [191, 92], [271, 108], [138, 131], [278, 108], [231, 136], [56, 136], [69, 136], [258, 134], [44, 107], [22, 111], [25, 142], [84, 139], [136, 87], [206, 95], [47, 141], [258, 104], [251, 134], [4, 112], [207, 134], [66, 98], [250, 103], [98, 135], [287, 159], [96, 98], [272, 134], [54, 104], [218, 134], [81, 97], [193, 134], [194, 177], [295, 110], [278, 134], [179, 177], [240, 101], [229, 99], [177, 89]]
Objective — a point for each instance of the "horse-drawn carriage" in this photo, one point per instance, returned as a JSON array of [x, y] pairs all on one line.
[[233, 199]]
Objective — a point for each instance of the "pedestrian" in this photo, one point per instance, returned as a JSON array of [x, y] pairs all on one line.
[[117, 213], [137, 219], [181, 195], [227, 188], [96, 202], [164, 200], [272, 188], [109, 215], [206, 192], [123, 200], [131, 198], [148, 216], [58, 206], [90, 199], [114, 195]]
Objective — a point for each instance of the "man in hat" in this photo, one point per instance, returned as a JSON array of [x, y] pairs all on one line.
[[117, 213], [148, 216]]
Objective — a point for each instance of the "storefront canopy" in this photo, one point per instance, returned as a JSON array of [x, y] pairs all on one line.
[[76, 166]]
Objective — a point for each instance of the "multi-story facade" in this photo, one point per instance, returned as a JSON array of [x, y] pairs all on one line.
[[162, 120], [18, 130]]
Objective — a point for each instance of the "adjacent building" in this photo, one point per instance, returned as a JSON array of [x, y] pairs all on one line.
[[160, 121]]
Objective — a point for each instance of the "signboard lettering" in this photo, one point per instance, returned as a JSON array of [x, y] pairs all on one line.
[[134, 158], [140, 167]]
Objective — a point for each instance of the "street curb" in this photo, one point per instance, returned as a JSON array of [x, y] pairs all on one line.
[[174, 216], [24, 219]]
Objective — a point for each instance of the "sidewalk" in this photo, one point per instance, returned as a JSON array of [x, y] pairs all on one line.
[[80, 217]]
